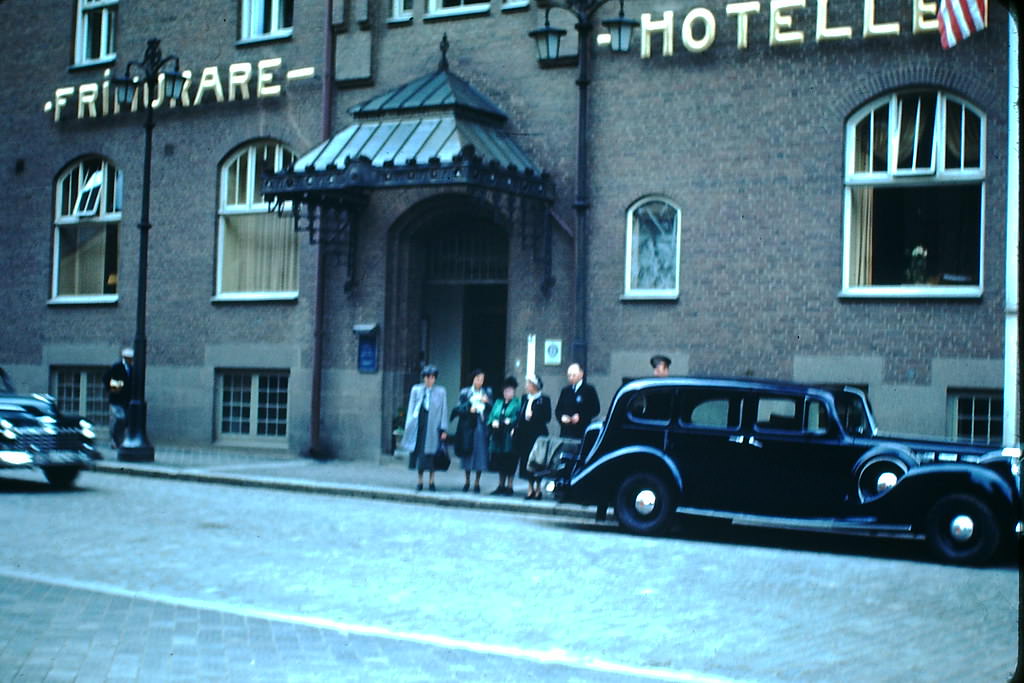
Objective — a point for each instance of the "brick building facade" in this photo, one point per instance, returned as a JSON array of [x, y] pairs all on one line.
[[806, 191]]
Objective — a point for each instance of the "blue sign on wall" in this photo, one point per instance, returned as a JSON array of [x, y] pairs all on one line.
[[368, 352]]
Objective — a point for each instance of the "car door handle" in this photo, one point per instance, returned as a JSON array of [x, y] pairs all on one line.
[[736, 439], [754, 442]]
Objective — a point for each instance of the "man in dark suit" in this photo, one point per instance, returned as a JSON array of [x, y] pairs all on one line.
[[118, 380], [577, 404]]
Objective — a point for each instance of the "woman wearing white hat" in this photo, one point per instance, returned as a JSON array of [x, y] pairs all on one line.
[[534, 415]]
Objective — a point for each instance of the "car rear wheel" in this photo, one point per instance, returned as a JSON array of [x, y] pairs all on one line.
[[61, 477], [963, 530], [645, 504]]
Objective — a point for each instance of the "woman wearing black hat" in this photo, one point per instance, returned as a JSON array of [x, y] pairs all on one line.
[[503, 419], [426, 424]]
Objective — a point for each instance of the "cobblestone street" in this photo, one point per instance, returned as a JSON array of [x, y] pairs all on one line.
[[130, 578]]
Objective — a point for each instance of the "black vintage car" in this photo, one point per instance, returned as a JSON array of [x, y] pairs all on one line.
[[35, 434], [788, 455]]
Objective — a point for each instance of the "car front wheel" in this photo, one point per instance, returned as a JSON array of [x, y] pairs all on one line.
[[61, 477], [644, 504], [962, 529]]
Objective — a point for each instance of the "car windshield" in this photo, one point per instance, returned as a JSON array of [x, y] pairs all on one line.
[[854, 413]]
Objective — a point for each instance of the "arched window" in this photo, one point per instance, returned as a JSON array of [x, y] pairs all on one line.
[[652, 249], [87, 214], [915, 172], [257, 251]]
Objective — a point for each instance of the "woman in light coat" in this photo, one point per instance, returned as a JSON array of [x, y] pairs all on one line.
[[426, 424]]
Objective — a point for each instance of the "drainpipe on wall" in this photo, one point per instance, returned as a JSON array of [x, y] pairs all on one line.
[[316, 449], [1014, 218]]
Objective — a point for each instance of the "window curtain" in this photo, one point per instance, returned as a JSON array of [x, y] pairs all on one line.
[[963, 131], [653, 258], [81, 259], [862, 246], [260, 254]]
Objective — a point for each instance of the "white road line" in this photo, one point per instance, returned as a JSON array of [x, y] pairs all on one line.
[[553, 656]]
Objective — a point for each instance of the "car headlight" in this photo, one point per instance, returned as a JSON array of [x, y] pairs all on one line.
[[10, 434], [1013, 453], [87, 430], [886, 480], [15, 457]]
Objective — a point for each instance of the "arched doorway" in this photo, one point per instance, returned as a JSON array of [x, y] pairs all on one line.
[[448, 296]]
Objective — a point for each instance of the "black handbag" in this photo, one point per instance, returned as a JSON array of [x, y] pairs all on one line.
[[441, 459]]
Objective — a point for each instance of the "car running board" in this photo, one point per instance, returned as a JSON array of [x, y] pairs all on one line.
[[827, 525]]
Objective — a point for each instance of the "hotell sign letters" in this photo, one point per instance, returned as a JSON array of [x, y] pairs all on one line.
[[697, 30]]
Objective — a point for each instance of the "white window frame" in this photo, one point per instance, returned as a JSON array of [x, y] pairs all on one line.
[[973, 395], [401, 11], [252, 437], [253, 204], [86, 385], [94, 203], [252, 17], [631, 293], [507, 5], [106, 12], [933, 175], [436, 10]]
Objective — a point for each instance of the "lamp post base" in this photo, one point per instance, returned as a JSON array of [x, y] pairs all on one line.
[[136, 447]]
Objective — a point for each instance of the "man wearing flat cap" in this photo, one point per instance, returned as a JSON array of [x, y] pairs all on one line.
[[118, 381]]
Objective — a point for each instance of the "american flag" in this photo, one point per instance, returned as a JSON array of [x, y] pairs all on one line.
[[959, 19]]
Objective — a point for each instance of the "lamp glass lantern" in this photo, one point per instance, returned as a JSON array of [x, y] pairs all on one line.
[[548, 40], [124, 90], [621, 29], [174, 84]]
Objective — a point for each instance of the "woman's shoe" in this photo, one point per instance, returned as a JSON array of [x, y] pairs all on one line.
[[432, 488], [419, 487], [476, 489], [466, 487]]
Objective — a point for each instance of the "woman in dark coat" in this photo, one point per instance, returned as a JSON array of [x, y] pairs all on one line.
[[503, 419], [472, 435], [534, 415]]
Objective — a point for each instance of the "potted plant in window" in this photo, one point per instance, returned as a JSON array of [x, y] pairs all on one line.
[[917, 267]]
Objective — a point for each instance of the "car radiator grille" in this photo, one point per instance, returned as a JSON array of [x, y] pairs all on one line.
[[40, 442]]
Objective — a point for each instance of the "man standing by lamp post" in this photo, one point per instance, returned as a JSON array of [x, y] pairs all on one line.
[[152, 72], [118, 381]]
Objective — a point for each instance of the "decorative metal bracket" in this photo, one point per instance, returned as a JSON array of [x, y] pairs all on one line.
[[330, 221]]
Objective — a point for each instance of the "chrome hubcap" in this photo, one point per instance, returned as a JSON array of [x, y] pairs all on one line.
[[645, 502], [961, 528]]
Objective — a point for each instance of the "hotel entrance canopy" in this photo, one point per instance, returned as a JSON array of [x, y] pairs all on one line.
[[435, 130]]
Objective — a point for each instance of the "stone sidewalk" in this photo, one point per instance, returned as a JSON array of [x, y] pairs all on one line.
[[383, 478]]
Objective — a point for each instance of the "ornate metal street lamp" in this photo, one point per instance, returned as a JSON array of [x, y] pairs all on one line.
[[153, 71], [548, 43]]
